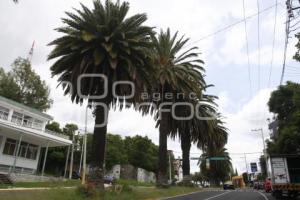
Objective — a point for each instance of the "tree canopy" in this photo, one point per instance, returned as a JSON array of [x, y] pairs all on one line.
[[285, 104], [24, 85]]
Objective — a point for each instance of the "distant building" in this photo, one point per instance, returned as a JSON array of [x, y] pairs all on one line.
[[22, 135], [273, 127], [178, 169]]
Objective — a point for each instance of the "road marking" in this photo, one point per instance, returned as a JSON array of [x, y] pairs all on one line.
[[266, 198], [218, 195], [181, 195]]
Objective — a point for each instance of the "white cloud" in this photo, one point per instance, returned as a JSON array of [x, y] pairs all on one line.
[[224, 53]]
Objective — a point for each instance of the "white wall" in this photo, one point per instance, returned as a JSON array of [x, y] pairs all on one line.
[[21, 162]]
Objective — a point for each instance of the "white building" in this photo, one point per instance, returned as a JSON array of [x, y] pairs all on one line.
[[22, 135]]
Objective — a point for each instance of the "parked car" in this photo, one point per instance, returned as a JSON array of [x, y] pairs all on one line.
[[75, 175], [258, 185], [109, 179], [228, 186]]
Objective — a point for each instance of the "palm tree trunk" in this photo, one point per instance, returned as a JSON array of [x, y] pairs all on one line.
[[185, 148], [162, 157], [97, 168]]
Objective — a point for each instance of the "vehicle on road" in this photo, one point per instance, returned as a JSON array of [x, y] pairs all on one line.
[[257, 185], [109, 179], [285, 175], [228, 185]]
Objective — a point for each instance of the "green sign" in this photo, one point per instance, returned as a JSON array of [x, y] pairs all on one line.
[[218, 158]]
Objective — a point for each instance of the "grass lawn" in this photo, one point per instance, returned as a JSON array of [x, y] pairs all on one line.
[[67, 183], [133, 183], [149, 193]]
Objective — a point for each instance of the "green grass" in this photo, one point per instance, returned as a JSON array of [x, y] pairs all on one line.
[[133, 183], [72, 194], [67, 183]]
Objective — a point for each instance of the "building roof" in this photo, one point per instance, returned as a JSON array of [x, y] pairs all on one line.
[[27, 108]]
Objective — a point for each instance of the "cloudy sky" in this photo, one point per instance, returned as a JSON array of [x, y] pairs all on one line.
[[241, 100]]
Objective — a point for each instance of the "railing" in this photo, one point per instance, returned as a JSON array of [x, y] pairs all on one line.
[[34, 125], [3, 115], [29, 124], [57, 134]]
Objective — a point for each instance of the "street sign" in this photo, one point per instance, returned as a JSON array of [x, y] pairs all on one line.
[[218, 158], [253, 167]]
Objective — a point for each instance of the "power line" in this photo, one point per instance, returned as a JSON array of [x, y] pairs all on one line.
[[232, 25], [287, 32], [258, 44], [247, 48], [273, 44]]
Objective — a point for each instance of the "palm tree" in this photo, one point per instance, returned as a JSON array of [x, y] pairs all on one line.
[[176, 73], [102, 41], [195, 131], [219, 170]]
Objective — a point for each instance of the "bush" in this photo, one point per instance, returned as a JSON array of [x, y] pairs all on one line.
[[88, 190], [186, 184]]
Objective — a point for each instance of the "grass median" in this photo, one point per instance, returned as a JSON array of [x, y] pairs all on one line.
[[137, 193]]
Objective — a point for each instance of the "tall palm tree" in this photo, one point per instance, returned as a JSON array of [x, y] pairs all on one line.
[[177, 72], [102, 41], [195, 131]]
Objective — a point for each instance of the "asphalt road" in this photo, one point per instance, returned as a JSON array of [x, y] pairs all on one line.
[[246, 194]]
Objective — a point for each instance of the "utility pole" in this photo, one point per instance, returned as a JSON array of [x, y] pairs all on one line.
[[30, 54], [262, 136], [81, 155], [84, 149], [289, 16], [72, 156], [264, 146], [170, 167], [246, 165]]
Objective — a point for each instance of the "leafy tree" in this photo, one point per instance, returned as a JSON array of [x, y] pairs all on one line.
[[8, 87], [102, 41], [57, 155], [199, 178], [138, 151], [176, 72], [54, 126], [70, 129], [285, 103], [23, 85], [115, 152], [297, 54], [141, 152]]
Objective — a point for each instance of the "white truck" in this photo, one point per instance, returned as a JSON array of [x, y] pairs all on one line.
[[284, 172]]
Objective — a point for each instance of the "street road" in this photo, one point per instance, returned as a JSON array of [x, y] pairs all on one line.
[[246, 194]]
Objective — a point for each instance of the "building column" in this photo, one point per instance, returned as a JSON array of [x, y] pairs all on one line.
[[16, 154], [66, 164], [10, 114], [45, 158]]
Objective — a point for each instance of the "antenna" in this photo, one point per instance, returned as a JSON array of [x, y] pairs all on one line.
[[29, 58]]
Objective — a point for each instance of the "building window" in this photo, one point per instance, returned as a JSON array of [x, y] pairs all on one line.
[[32, 152], [27, 121], [26, 150], [3, 113], [23, 149], [9, 147], [17, 118]]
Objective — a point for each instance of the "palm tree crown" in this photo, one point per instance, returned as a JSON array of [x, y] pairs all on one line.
[[102, 41]]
